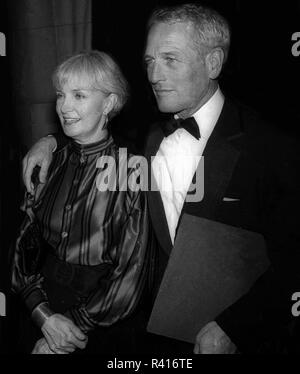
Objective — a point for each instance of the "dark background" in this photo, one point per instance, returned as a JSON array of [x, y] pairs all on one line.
[[261, 72], [7, 201]]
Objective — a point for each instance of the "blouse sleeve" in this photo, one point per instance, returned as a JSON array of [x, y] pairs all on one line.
[[26, 256], [118, 297]]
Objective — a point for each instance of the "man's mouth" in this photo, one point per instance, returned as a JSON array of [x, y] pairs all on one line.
[[162, 91]]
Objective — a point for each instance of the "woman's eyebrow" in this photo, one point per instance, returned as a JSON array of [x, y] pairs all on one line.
[[82, 89]]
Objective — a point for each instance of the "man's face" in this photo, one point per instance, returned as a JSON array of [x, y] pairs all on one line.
[[178, 73]]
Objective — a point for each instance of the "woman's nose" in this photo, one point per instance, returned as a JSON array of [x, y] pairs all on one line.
[[66, 105]]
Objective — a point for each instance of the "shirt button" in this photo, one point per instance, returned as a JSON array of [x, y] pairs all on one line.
[[68, 207], [64, 234], [75, 182]]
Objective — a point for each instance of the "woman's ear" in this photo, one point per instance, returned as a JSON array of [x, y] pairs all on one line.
[[111, 102], [215, 59]]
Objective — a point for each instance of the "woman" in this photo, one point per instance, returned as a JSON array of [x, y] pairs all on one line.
[[81, 260]]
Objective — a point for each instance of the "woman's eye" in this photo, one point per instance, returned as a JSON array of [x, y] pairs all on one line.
[[79, 96]]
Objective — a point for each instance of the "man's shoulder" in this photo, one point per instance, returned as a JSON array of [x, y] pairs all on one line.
[[153, 138], [251, 121], [249, 117], [262, 135], [154, 128]]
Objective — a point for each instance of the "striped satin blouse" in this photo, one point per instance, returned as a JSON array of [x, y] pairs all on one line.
[[88, 224]]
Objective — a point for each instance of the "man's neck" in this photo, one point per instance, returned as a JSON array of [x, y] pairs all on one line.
[[212, 88]]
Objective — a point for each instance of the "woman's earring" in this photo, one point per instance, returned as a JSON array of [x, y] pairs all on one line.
[[105, 119]]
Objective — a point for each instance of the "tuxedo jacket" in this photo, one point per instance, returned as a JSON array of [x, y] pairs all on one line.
[[253, 166]]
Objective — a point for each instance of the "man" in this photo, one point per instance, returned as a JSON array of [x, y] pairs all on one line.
[[249, 180]]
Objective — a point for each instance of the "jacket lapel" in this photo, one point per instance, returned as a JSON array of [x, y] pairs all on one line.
[[220, 158], [156, 207], [221, 155]]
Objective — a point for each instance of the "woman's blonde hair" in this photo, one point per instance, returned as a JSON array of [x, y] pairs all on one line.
[[101, 71]]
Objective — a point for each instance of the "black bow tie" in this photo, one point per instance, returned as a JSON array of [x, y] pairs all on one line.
[[189, 124]]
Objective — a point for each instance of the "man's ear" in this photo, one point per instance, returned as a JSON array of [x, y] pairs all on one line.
[[111, 102], [214, 61]]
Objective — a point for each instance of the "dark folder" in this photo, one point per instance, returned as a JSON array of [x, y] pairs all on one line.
[[211, 266]]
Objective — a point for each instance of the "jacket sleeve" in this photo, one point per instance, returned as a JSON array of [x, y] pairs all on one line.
[[263, 314], [26, 256], [61, 139], [118, 295]]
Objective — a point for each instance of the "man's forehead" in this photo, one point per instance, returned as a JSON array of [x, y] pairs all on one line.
[[178, 26], [171, 32], [170, 36]]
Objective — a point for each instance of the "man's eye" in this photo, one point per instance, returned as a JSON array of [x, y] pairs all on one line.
[[59, 95], [170, 59]]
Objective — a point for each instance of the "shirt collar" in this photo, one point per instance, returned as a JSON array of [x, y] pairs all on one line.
[[207, 116]]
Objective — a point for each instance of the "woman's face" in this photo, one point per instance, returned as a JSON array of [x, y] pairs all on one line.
[[80, 110]]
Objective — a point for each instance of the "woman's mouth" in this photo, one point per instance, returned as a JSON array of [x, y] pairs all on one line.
[[70, 121]]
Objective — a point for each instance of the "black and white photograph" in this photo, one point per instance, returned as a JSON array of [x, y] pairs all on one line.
[[150, 195]]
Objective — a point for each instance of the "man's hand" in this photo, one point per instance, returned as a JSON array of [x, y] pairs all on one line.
[[211, 339], [40, 154], [63, 335]]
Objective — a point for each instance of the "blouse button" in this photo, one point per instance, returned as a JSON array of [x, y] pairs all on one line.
[[68, 207], [83, 159], [64, 234]]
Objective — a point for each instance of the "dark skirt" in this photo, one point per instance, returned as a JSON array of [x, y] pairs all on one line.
[[123, 337]]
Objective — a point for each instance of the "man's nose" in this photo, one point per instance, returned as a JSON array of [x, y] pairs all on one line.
[[155, 73]]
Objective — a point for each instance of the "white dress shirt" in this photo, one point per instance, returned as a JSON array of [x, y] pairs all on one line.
[[177, 159]]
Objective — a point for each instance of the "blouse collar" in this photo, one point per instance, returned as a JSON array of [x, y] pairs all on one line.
[[92, 148]]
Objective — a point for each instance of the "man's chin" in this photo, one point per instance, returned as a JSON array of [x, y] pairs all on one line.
[[166, 108]]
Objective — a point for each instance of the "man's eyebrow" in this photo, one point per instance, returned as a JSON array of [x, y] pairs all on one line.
[[171, 52], [167, 53]]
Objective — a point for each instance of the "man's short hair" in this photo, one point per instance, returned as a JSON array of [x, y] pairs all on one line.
[[212, 29]]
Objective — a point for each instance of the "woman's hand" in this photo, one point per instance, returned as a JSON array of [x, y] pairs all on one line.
[[63, 335], [41, 348]]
